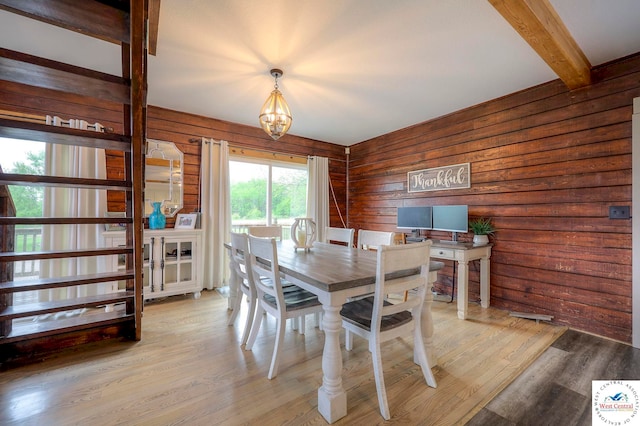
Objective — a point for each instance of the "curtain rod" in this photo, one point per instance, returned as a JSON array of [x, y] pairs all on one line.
[[197, 140]]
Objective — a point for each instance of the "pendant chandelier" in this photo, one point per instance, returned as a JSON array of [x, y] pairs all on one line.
[[275, 117]]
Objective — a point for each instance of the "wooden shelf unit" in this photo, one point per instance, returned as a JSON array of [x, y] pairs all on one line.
[[122, 22]]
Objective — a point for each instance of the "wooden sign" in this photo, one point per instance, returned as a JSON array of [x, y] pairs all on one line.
[[440, 178]]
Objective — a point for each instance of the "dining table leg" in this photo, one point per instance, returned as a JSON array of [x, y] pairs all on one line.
[[332, 398], [426, 323], [234, 283]]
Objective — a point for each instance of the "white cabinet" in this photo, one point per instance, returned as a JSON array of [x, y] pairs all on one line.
[[172, 261]]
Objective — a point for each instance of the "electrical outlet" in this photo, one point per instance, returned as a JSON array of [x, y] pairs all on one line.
[[619, 212]]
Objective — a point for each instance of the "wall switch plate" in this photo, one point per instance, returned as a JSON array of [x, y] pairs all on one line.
[[619, 212]]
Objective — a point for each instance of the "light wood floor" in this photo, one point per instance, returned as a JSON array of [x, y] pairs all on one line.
[[189, 369]]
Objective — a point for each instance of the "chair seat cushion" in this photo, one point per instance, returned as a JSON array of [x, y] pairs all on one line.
[[294, 297], [360, 312], [269, 282]]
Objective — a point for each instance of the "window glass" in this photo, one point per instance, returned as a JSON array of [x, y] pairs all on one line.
[[25, 157], [248, 193], [289, 194], [264, 193]]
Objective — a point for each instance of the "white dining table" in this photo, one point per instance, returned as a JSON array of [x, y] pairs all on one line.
[[335, 273]]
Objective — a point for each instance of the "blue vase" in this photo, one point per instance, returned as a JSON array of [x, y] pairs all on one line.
[[156, 218]]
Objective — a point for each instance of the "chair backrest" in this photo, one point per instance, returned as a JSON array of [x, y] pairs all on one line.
[[400, 258], [272, 231], [263, 261], [374, 239], [341, 235], [240, 256]]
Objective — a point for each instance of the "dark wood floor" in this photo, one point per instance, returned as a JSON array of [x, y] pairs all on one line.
[[556, 388]]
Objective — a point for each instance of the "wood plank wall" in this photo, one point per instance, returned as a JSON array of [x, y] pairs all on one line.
[[546, 164], [179, 128]]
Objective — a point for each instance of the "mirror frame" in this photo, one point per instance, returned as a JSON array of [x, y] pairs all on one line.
[[160, 155]]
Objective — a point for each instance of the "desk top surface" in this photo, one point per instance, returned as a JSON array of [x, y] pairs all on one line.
[[457, 245]]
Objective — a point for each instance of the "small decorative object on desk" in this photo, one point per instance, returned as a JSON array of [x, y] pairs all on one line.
[[156, 218], [186, 221], [303, 233], [481, 228]]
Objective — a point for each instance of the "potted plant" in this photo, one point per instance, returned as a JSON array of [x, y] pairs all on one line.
[[481, 228]]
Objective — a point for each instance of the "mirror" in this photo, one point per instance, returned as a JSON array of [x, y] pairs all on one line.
[[163, 177]]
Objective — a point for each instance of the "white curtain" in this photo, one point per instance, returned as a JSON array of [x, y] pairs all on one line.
[[80, 162], [215, 216], [318, 193]]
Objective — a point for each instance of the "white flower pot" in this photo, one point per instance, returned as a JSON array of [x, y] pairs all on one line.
[[480, 240]]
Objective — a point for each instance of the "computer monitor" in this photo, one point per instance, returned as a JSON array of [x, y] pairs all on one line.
[[451, 218], [414, 218]]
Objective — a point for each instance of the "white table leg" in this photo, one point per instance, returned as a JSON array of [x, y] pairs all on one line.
[[426, 323], [463, 291], [332, 399], [233, 285], [485, 298]]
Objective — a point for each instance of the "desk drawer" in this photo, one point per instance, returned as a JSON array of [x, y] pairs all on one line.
[[442, 253]]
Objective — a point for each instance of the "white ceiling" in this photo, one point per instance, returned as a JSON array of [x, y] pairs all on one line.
[[353, 69]]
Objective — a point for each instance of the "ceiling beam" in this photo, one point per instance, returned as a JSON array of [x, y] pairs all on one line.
[[89, 17], [154, 23], [539, 24]]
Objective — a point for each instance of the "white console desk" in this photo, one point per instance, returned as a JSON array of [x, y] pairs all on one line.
[[463, 253]]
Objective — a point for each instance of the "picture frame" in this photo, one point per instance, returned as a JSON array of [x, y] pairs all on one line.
[[186, 221]]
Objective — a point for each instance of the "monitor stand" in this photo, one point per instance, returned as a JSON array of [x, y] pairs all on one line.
[[454, 239], [415, 237]]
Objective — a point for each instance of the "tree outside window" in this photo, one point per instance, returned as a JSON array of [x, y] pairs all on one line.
[[267, 194], [25, 157]]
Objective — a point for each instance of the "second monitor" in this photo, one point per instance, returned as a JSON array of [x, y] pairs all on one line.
[[451, 218]]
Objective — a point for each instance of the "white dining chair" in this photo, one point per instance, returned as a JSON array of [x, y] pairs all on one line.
[[277, 297], [378, 320], [275, 231], [272, 231], [246, 286], [368, 240], [340, 235]]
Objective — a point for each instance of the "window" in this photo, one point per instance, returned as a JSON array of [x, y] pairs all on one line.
[[25, 157], [267, 193]]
